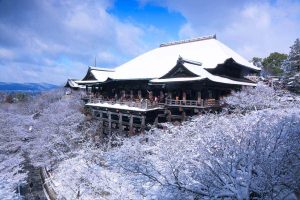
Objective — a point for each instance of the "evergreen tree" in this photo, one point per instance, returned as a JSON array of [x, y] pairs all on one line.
[[256, 61], [272, 65]]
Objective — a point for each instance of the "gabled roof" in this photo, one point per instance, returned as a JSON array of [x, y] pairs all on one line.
[[72, 83], [157, 62], [98, 74], [202, 74]]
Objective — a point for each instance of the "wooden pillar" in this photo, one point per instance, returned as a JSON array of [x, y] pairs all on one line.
[[169, 116], [131, 125], [161, 96], [146, 104], [210, 94], [156, 121], [120, 122], [143, 124], [109, 121], [183, 116], [150, 95], [169, 95], [131, 95], [101, 123], [199, 101], [184, 96]]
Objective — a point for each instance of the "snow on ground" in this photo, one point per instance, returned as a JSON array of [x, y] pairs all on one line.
[[251, 150], [46, 128], [251, 153], [11, 154]]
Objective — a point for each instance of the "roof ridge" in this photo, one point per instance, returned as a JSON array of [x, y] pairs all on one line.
[[193, 62], [189, 40]]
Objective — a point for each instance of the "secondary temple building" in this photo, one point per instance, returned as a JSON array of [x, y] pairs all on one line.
[[170, 82]]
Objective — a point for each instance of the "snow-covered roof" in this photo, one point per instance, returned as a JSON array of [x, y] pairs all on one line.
[[72, 83], [101, 69], [180, 79], [100, 74], [202, 74], [157, 62], [87, 82]]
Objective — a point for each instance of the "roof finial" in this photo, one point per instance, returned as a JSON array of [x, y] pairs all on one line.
[[179, 60], [95, 62]]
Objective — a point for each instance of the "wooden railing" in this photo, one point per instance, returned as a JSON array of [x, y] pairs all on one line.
[[193, 103], [144, 104], [48, 185], [87, 96]]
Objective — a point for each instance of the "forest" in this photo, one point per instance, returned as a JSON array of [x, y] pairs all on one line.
[[248, 151], [286, 67]]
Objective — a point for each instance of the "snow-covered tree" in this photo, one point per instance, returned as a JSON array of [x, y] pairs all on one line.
[[12, 174], [292, 63], [291, 67], [45, 129], [58, 130], [248, 155], [251, 152], [234, 157]]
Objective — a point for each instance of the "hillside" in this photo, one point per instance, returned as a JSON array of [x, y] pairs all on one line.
[[26, 87], [250, 150]]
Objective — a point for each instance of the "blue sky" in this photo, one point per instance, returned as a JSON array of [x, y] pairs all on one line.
[[51, 40]]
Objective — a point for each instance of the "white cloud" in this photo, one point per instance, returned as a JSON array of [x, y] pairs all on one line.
[[252, 28], [6, 54], [260, 29], [51, 37]]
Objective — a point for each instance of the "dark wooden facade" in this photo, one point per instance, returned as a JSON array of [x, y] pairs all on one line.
[[142, 102]]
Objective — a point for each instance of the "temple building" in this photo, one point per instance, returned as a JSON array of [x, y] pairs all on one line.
[[170, 82]]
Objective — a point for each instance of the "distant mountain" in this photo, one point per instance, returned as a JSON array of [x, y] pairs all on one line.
[[26, 87]]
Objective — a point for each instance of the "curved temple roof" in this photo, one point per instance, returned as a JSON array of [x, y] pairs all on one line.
[[202, 74], [157, 62], [198, 53], [97, 74]]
